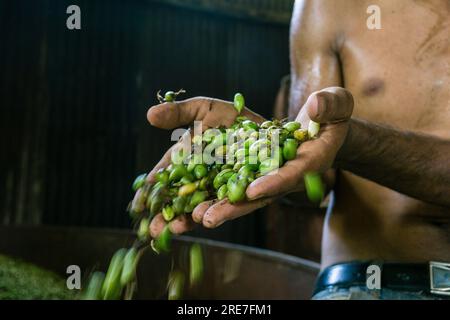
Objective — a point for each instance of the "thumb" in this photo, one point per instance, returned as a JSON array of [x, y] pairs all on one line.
[[330, 105]]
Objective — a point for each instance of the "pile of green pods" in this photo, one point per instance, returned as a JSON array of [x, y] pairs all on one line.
[[228, 161], [229, 169]]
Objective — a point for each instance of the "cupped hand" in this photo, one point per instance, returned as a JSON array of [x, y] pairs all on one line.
[[331, 107]]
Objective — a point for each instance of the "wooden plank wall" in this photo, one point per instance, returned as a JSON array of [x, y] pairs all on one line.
[[73, 103]]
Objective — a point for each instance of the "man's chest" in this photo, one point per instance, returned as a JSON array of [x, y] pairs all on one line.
[[400, 74]]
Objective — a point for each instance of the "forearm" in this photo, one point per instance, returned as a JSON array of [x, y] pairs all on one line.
[[414, 164]]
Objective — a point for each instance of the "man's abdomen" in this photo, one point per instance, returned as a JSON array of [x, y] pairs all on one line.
[[369, 222]]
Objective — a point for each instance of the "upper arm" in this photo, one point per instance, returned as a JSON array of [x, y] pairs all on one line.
[[314, 45], [281, 107]]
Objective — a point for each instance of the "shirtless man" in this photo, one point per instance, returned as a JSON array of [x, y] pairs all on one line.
[[388, 142]]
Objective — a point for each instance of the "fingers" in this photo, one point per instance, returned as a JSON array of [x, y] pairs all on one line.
[[179, 225], [223, 211], [316, 155], [182, 223], [330, 105], [199, 211], [210, 213], [157, 225], [285, 180], [213, 111], [176, 114]]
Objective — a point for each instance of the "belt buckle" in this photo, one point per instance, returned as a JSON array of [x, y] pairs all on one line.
[[440, 278]]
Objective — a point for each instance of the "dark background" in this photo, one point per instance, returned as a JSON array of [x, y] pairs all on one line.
[[73, 102]]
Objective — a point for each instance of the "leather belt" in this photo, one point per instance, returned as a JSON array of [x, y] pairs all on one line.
[[432, 278]]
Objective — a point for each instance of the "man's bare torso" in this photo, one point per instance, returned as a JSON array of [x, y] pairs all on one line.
[[400, 76]]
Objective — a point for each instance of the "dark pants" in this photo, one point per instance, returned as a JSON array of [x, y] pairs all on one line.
[[397, 281]]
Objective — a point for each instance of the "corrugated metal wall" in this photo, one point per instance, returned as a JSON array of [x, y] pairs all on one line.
[[73, 103]]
